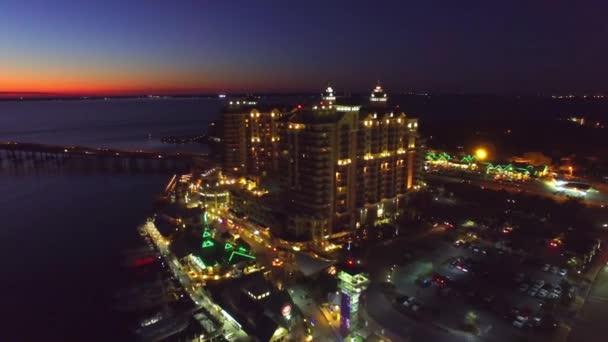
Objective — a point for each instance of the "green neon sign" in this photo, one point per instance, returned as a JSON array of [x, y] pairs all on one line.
[[208, 243], [206, 234], [441, 157], [228, 246], [241, 254], [469, 159]]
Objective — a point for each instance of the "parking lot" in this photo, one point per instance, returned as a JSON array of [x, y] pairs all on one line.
[[493, 293]]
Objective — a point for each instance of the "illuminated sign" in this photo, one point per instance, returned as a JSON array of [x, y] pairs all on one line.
[[286, 310]]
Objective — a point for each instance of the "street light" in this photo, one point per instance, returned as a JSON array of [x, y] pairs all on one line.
[[481, 153]]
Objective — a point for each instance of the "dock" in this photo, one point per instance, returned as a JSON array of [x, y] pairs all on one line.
[[101, 159]]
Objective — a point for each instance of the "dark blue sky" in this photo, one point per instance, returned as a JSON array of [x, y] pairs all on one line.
[[122, 46]]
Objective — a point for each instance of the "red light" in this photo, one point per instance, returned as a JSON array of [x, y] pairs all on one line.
[[143, 261], [299, 106], [286, 310], [350, 262]]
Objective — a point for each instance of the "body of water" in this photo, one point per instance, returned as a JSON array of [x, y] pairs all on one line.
[[123, 124], [61, 231]]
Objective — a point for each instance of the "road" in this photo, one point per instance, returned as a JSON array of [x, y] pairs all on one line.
[[326, 329], [196, 294], [381, 310], [534, 187]]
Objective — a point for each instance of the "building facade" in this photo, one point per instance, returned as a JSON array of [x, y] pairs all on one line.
[[341, 167], [345, 167], [318, 148], [387, 160], [251, 139]]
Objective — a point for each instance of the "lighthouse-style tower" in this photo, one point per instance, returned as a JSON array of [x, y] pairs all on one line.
[[328, 97], [378, 97]]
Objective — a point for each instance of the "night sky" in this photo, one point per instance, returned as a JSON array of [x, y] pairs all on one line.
[[139, 47]]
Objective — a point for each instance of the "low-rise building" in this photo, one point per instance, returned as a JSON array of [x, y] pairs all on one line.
[[263, 312]]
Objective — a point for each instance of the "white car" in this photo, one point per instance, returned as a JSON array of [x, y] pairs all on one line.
[[532, 292], [535, 321], [557, 291], [542, 293], [539, 283], [546, 267], [520, 321], [524, 287], [409, 301], [563, 272]]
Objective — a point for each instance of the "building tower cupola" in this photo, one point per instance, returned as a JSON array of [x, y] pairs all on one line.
[[328, 97], [378, 96]]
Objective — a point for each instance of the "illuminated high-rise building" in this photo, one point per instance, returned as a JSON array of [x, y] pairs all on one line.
[[318, 150], [345, 167], [341, 167], [251, 138], [387, 166]]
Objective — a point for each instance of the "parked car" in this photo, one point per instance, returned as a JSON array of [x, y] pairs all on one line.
[[554, 269], [458, 243], [539, 283], [535, 321], [463, 266], [524, 287], [557, 291], [546, 267], [406, 301], [542, 293], [440, 280], [520, 322], [532, 292], [563, 272]]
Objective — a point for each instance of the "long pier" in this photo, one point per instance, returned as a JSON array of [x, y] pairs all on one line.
[[103, 159]]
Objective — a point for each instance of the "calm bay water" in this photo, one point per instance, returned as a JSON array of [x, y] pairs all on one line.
[[61, 231]]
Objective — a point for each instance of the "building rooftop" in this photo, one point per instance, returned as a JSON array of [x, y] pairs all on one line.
[[381, 111], [259, 318], [263, 108], [212, 248], [317, 116]]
